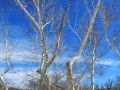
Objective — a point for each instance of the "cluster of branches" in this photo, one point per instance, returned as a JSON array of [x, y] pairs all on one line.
[[48, 15]]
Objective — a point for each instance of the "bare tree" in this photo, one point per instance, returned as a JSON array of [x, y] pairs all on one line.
[[40, 21], [7, 53], [109, 85], [109, 16], [76, 57], [118, 83]]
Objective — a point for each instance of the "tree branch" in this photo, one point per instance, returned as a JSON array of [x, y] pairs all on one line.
[[111, 45], [27, 13], [59, 36]]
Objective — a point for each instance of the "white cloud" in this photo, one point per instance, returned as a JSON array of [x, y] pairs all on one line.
[[19, 54], [109, 62], [19, 79]]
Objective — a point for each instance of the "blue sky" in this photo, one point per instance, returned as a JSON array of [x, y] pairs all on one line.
[[19, 27]]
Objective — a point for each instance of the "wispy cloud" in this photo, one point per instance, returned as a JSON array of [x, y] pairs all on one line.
[[109, 62]]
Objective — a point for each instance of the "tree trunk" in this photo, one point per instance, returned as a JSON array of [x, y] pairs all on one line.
[[44, 81], [93, 64], [92, 76], [3, 85], [69, 77]]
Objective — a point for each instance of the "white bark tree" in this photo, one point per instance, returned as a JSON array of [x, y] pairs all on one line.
[[93, 63], [69, 64], [108, 16], [40, 24], [7, 53]]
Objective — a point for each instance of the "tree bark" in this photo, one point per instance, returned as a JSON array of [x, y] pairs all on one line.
[[69, 76], [75, 58], [93, 61], [92, 74]]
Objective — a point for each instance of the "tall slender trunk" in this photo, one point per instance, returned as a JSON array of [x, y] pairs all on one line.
[[6, 47], [92, 75], [93, 62], [6, 54]]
